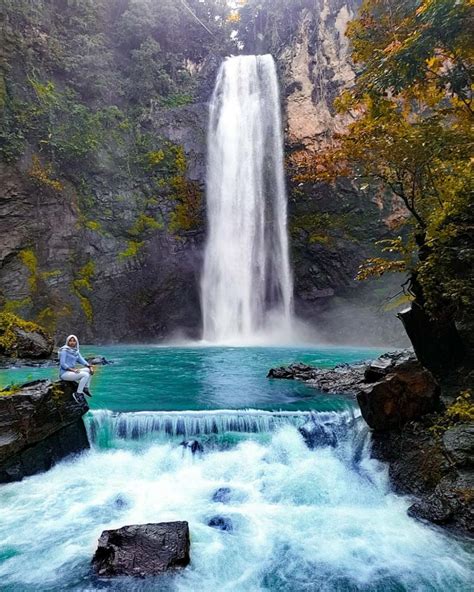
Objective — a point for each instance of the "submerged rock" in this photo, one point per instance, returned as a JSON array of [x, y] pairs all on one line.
[[221, 523], [142, 549], [406, 391], [316, 434], [193, 445], [99, 361], [40, 424], [222, 495]]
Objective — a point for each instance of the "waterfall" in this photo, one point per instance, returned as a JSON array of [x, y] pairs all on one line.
[[110, 428], [246, 287]]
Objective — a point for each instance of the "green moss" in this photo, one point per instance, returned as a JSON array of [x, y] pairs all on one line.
[[43, 174], [57, 392], [14, 306], [8, 323], [10, 390], [93, 225], [132, 250], [30, 261], [324, 227], [3, 92], [187, 212], [45, 275], [155, 157], [176, 100], [144, 223], [83, 283], [47, 318], [461, 411]]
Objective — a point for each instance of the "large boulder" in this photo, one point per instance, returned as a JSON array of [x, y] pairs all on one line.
[[40, 424], [405, 392], [437, 470], [142, 549], [23, 339]]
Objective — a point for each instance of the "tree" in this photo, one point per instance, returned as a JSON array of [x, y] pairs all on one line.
[[412, 135]]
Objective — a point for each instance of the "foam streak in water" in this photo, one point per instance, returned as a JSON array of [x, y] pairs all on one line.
[[246, 284]]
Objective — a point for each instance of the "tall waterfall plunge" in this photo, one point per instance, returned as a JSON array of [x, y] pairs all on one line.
[[246, 285]]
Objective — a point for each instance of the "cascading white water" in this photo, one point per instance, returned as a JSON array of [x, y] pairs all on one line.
[[104, 426], [246, 286], [303, 520]]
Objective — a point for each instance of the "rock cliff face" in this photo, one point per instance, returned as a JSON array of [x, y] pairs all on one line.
[[317, 66], [40, 424], [333, 229], [115, 250]]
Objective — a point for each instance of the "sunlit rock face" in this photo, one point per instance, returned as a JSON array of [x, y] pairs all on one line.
[[333, 229], [317, 67]]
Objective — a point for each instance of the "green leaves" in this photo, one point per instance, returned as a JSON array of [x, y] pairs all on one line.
[[412, 135]]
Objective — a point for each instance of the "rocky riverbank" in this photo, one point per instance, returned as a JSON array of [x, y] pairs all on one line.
[[426, 439], [40, 424]]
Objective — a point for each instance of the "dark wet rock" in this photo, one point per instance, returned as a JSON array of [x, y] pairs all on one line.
[[99, 361], [40, 424], [421, 464], [316, 434], [451, 504], [437, 343], [432, 509], [142, 550], [7, 362], [221, 523], [222, 495], [405, 392], [293, 371], [193, 445], [459, 444], [386, 363], [415, 456], [344, 378], [121, 502]]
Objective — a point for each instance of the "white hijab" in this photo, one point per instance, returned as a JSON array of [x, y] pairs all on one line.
[[73, 350]]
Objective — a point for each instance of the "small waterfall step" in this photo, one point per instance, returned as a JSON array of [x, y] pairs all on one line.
[[106, 424]]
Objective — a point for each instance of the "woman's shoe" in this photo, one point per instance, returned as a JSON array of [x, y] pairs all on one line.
[[87, 392], [76, 397]]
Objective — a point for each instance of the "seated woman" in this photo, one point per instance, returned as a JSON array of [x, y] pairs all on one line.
[[69, 355]]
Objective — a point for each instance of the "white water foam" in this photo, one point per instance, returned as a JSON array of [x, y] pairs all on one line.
[[303, 520], [246, 287]]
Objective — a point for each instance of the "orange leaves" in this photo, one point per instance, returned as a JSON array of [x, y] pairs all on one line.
[[311, 167]]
